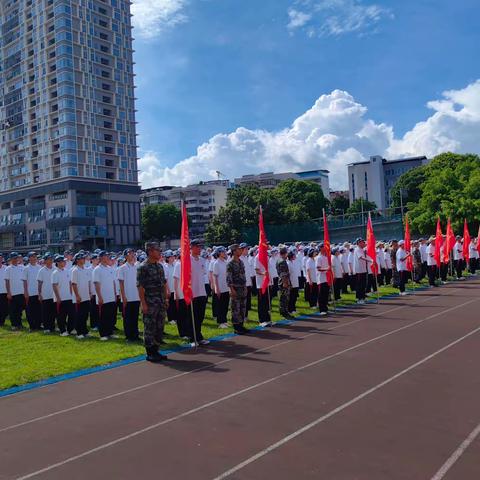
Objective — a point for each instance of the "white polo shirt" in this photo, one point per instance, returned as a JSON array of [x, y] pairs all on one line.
[[401, 257], [198, 277], [248, 270], [45, 276], [177, 272], [472, 250], [337, 266], [81, 277], [14, 273], [431, 255], [259, 278], [423, 252], [294, 270], [30, 274], [311, 270], [105, 276], [220, 273], [360, 265], [321, 262], [62, 279], [458, 251], [128, 274], [3, 287]]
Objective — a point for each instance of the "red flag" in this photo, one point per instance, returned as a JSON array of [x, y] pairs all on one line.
[[466, 241], [408, 245], [449, 242], [185, 259], [478, 240], [328, 251], [371, 244], [438, 243], [263, 251]]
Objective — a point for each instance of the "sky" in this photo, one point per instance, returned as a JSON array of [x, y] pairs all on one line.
[[253, 86]]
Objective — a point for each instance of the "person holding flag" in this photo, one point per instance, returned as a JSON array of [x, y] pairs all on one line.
[[323, 270], [466, 244], [431, 262], [458, 258], [372, 265], [473, 255], [408, 248], [262, 277], [402, 257], [447, 250]]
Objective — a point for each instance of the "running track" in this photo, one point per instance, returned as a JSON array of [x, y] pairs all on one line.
[[372, 393]]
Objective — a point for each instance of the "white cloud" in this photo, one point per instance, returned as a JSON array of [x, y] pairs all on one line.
[[151, 17], [336, 17], [331, 134]]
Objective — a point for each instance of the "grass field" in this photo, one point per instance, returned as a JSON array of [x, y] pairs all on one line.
[[27, 357]]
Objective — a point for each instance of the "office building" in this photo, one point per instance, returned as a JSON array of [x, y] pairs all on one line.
[[68, 157], [374, 179], [271, 180], [203, 201]]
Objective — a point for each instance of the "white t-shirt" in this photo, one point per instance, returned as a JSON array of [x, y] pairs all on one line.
[[259, 278], [105, 276], [294, 270], [169, 268], [30, 274], [431, 255], [472, 250], [388, 260], [45, 276], [337, 266], [81, 277], [177, 272], [128, 274], [220, 273], [458, 251], [423, 252], [360, 258], [401, 257], [62, 279], [381, 259], [344, 260], [311, 270], [14, 273], [3, 287], [322, 263], [272, 266], [351, 263], [198, 277], [248, 269]]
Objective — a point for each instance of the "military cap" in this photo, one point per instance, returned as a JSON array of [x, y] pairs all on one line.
[[127, 251], [32, 254], [78, 256], [358, 240], [48, 256], [14, 255], [102, 253], [243, 245], [196, 243], [283, 251], [59, 258], [236, 246]]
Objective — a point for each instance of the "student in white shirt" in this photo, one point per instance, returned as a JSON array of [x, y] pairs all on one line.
[[272, 268], [45, 294], [337, 269], [127, 280], [15, 290], [311, 287], [424, 256], [94, 261], [360, 268], [81, 277], [3, 293], [103, 278], [249, 273], [473, 257], [261, 273], [294, 270], [62, 290], [323, 267], [401, 257], [382, 266], [169, 268], [32, 304], [222, 291], [458, 257], [184, 328]]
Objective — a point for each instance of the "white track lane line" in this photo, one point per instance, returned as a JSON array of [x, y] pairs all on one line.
[[457, 454], [179, 375], [342, 407], [248, 389]]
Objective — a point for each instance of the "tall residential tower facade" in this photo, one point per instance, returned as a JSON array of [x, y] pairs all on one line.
[[68, 157]]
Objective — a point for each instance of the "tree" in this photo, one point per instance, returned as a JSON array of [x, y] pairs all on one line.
[[409, 184], [161, 222], [360, 205], [339, 205], [451, 189]]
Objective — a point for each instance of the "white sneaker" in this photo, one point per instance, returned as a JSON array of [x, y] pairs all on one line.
[[193, 344], [361, 302], [264, 324], [114, 336], [73, 332], [322, 314], [80, 337], [402, 294], [293, 313], [64, 334], [103, 339], [172, 322], [223, 325], [204, 342], [313, 308], [47, 332], [95, 329]]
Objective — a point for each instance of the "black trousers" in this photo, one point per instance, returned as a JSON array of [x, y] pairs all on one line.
[[254, 286], [214, 306], [337, 288], [274, 288], [130, 320], [432, 274], [172, 308], [352, 280], [292, 300], [345, 283], [184, 330], [107, 318], [199, 304], [472, 265], [458, 267], [371, 283], [301, 282], [208, 289], [222, 307], [360, 285], [312, 294], [388, 276], [323, 292], [403, 275], [381, 276], [93, 312], [3, 308], [49, 314], [66, 316], [82, 310], [444, 272], [34, 312], [249, 300], [17, 304], [263, 307], [424, 270]]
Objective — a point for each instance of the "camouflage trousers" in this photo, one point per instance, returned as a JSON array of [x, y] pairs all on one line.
[[284, 299], [153, 322], [239, 305]]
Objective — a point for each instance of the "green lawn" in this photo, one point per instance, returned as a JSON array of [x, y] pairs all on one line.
[[27, 357]]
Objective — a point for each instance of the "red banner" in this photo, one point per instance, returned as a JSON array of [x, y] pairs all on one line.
[[328, 250], [185, 259], [408, 245], [263, 251], [449, 242], [438, 243], [371, 245], [466, 241]]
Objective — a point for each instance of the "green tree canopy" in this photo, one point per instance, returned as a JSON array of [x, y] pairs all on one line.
[[339, 205], [451, 189], [360, 205], [290, 202], [161, 222], [409, 185]]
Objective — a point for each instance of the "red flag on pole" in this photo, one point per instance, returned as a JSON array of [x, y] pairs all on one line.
[[408, 245], [185, 259], [328, 251], [263, 251], [466, 241], [449, 242], [478, 240], [438, 243], [371, 245]]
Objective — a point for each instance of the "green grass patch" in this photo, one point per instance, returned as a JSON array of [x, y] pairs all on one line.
[[27, 357]]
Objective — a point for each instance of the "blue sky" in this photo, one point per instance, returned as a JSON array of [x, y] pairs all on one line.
[[209, 67]]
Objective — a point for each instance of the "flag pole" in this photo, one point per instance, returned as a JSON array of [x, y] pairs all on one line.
[[193, 325], [331, 290]]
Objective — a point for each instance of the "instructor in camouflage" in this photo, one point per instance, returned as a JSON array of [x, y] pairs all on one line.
[[237, 283], [152, 290], [284, 282]]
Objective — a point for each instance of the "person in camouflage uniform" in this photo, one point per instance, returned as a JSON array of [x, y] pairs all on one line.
[[284, 282], [237, 282], [393, 256], [152, 289], [417, 263]]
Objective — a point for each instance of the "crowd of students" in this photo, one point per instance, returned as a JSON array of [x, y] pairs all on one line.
[[73, 294]]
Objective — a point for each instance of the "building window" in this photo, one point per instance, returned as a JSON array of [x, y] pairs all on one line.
[[92, 211], [20, 239], [353, 187], [57, 212], [37, 237], [59, 235]]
